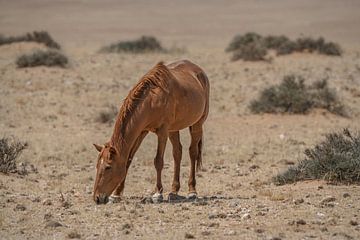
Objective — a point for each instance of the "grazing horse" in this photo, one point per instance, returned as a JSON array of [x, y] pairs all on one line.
[[166, 99]]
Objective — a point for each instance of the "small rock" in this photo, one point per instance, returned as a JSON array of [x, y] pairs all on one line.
[[230, 233], [37, 199], [189, 236], [275, 238], [20, 207], [233, 204], [205, 233], [126, 226], [346, 195], [246, 216], [47, 216], [259, 230], [298, 201], [74, 234], [353, 222], [53, 224], [301, 222], [47, 202], [327, 200], [214, 224]]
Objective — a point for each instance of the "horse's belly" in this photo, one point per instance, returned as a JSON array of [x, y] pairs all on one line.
[[187, 114]]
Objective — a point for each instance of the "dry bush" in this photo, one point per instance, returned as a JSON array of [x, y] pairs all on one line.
[[241, 40], [293, 96], [36, 36], [9, 151], [251, 52], [336, 159], [253, 43], [318, 45], [48, 58], [142, 45]]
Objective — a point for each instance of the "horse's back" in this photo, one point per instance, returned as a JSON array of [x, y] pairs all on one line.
[[190, 92]]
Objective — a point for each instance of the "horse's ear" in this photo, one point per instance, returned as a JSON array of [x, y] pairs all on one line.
[[98, 147]]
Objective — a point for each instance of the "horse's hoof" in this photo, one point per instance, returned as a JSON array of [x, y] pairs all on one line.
[[174, 197], [192, 196], [114, 199], [157, 198]]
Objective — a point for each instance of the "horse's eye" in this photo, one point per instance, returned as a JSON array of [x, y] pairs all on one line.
[[107, 167]]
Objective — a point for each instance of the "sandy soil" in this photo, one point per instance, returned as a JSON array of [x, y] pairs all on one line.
[[55, 111]]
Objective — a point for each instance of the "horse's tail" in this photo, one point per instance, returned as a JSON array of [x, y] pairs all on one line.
[[199, 157]]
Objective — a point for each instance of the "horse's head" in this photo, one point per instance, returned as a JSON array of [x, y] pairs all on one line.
[[111, 171]]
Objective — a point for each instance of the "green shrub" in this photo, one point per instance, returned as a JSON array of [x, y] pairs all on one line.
[[48, 58], [40, 37], [141, 45], [9, 151], [337, 159], [293, 96]]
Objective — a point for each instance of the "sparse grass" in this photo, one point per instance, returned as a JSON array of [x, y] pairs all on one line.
[[293, 96], [9, 151], [142, 45], [36, 36], [48, 58], [336, 159], [107, 116], [281, 44]]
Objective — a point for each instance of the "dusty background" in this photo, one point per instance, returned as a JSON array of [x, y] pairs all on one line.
[[55, 111]]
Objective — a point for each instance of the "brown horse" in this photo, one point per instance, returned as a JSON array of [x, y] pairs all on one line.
[[167, 99]]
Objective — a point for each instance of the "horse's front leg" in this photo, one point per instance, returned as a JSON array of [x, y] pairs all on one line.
[[116, 195], [162, 134]]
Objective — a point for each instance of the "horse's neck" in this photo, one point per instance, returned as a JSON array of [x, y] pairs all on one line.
[[134, 127]]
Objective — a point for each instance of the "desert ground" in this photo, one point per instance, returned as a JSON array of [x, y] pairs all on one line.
[[55, 111]]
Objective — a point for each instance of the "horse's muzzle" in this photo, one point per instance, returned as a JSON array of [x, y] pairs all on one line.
[[101, 199]]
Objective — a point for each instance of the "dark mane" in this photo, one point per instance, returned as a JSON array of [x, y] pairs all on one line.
[[157, 77]]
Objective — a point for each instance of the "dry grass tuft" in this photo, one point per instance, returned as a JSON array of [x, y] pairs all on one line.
[[48, 58], [336, 159], [9, 151]]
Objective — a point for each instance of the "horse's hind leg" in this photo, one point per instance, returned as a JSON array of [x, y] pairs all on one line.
[[120, 189], [177, 154], [196, 133]]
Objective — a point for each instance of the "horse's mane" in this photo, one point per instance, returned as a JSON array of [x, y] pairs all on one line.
[[157, 77]]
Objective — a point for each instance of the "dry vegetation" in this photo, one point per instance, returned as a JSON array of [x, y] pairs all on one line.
[[337, 159], [49, 58], [293, 96], [144, 44], [42, 37], [10, 149], [242, 189], [253, 47]]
